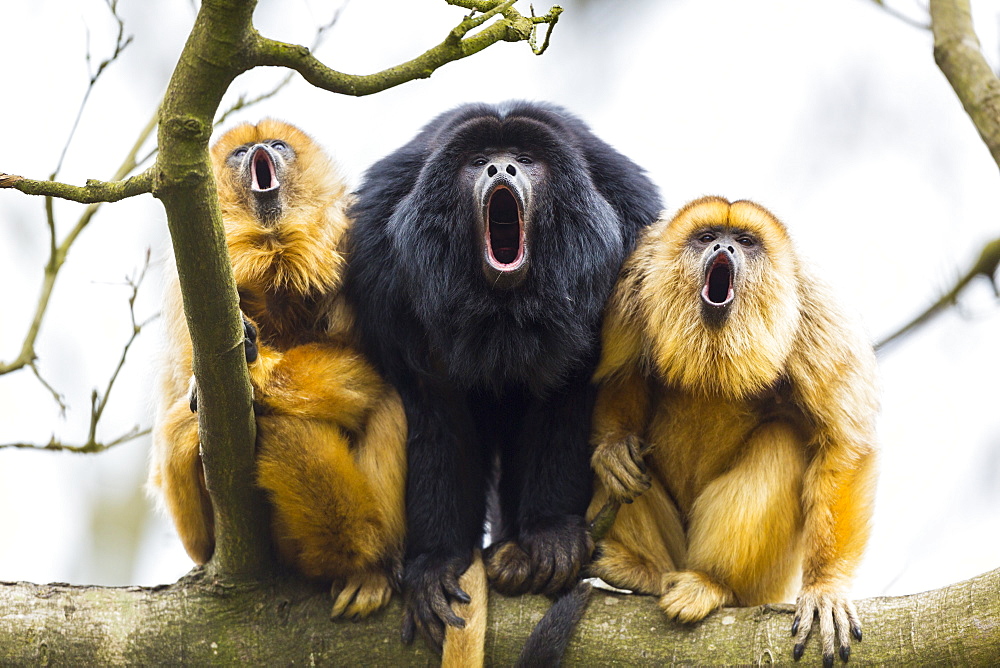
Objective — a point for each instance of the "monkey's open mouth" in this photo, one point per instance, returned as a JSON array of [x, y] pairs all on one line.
[[718, 289], [262, 170], [504, 230]]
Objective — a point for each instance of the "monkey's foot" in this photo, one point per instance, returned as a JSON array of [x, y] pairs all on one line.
[[430, 583], [838, 619], [544, 560], [688, 596], [360, 595], [620, 467]]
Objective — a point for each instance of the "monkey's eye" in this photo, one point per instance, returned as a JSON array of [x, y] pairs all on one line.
[[746, 241], [479, 162], [525, 159], [706, 237], [279, 145], [240, 152]]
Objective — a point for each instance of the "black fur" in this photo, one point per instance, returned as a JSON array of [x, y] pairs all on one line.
[[489, 374]]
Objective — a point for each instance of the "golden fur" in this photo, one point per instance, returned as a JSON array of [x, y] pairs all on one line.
[[748, 446], [330, 433]]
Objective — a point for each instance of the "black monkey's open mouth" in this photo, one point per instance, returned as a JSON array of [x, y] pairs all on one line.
[[504, 230], [262, 171], [718, 289]]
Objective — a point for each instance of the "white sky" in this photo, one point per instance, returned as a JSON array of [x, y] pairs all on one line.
[[832, 114]]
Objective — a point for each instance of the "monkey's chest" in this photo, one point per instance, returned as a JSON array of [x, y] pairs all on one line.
[[283, 319], [695, 439]]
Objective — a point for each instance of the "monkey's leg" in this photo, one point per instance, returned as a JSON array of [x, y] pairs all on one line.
[[551, 461], [317, 380], [381, 459], [745, 530], [178, 472], [326, 519], [445, 504], [645, 541]]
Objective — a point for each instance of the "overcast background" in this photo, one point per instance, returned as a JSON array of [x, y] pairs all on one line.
[[831, 113]]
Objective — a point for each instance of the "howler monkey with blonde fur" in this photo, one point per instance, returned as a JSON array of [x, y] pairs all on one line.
[[330, 433], [736, 420]]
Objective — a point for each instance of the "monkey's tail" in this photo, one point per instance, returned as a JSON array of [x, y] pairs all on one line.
[[548, 640], [550, 637], [466, 647]]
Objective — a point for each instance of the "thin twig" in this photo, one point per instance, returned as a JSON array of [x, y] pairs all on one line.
[[892, 11], [99, 401], [986, 266]]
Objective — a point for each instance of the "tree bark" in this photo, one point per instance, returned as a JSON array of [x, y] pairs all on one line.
[[285, 622]]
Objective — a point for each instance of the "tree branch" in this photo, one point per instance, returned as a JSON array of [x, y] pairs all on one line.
[[957, 52], [200, 622], [986, 265], [512, 27], [92, 193]]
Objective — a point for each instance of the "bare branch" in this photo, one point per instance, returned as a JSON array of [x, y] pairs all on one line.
[[986, 265], [243, 103], [957, 52], [98, 401], [121, 42], [90, 447], [512, 27]]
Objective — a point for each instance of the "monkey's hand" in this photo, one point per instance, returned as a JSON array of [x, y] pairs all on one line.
[[546, 558], [619, 466], [430, 583], [249, 349], [360, 595], [838, 619]]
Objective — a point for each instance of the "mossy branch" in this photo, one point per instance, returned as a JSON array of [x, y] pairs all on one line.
[[200, 622], [92, 193], [958, 54], [512, 26]]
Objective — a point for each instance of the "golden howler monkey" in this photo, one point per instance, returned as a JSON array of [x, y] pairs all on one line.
[[736, 413], [330, 433]]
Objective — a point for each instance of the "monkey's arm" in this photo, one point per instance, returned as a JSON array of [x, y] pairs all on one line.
[[445, 504], [620, 417], [833, 373]]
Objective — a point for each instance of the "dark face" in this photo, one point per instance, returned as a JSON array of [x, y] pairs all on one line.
[[502, 183], [261, 170], [724, 253]]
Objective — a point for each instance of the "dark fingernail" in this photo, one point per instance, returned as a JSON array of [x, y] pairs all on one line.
[[828, 660], [463, 597], [626, 500], [795, 626], [798, 651], [856, 632], [845, 653]]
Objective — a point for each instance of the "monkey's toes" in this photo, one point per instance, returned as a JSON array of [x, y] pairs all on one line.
[[689, 596], [360, 595], [546, 559], [508, 567]]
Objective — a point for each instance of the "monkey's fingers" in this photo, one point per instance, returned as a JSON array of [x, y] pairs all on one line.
[[620, 467], [193, 395], [249, 339], [838, 621]]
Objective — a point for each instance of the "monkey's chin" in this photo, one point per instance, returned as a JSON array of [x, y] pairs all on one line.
[[505, 277], [714, 315]]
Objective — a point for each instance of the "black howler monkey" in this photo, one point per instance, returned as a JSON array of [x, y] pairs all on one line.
[[482, 254]]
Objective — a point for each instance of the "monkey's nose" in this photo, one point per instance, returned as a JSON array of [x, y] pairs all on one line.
[[491, 171], [511, 170]]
